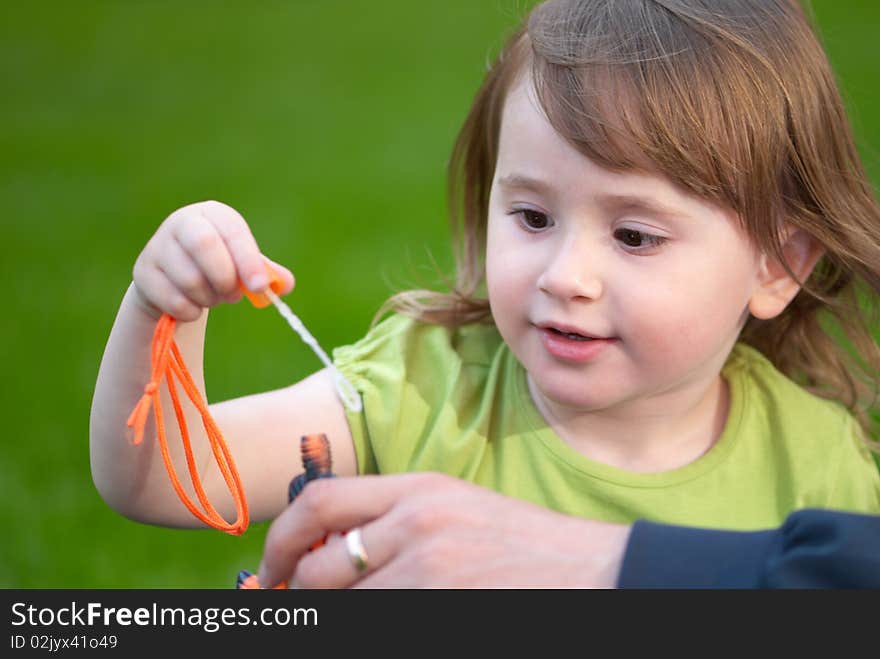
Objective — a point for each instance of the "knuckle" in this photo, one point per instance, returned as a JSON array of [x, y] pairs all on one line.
[[421, 520], [192, 281], [182, 217], [314, 499], [173, 217], [243, 245], [202, 240], [212, 205], [139, 270], [432, 480], [239, 234], [226, 216], [147, 255]]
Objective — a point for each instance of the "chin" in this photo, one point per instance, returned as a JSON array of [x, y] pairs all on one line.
[[577, 401], [580, 396]]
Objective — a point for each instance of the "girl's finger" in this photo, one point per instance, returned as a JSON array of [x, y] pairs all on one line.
[[240, 242], [284, 273], [327, 506], [199, 239], [159, 291], [179, 267]]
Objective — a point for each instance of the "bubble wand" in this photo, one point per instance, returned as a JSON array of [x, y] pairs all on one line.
[[317, 463], [167, 364]]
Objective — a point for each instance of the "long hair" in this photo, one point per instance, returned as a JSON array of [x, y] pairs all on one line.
[[735, 101]]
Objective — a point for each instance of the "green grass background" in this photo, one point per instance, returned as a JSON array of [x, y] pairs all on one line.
[[327, 124]]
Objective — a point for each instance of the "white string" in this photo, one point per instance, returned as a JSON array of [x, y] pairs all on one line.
[[347, 393]]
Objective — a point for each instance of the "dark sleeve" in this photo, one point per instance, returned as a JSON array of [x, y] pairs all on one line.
[[812, 549]]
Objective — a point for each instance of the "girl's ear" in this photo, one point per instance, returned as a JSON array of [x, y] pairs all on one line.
[[776, 288]]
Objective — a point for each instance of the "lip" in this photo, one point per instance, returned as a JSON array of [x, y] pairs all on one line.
[[570, 329], [572, 350]]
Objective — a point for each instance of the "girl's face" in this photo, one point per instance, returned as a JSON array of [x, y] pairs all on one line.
[[611, 288]]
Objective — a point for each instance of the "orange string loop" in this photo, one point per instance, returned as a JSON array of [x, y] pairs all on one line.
[[167, 363]]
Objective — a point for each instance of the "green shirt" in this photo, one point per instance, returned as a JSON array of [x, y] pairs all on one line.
[[456, 401]]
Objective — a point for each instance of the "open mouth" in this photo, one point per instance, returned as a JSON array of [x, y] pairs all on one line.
[[572, 346], [570, 335]]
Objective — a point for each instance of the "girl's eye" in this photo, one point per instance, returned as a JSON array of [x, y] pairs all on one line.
[[532, 220], [638, 240]]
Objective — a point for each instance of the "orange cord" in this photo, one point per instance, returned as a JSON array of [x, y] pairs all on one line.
[[248, 581], [167, 363]]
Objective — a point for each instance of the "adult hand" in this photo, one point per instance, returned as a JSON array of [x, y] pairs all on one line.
[[430, 530]]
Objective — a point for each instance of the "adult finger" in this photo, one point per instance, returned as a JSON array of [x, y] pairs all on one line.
[[325, 506], [334, 565]]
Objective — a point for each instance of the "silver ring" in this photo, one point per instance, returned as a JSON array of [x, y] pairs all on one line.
[[356, 552]]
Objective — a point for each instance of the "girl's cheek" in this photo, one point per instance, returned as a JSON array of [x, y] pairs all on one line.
[[656, 321]]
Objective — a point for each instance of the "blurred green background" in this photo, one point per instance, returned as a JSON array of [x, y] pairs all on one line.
[[327, 124]]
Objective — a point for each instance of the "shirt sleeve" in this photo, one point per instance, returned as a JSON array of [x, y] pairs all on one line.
[[403, 370], [812, 549], [374, 366]]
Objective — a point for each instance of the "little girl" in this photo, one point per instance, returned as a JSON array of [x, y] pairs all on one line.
[[662, 219]]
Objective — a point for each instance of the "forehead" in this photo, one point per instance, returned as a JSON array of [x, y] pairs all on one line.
[[523, 121], [529, 146]]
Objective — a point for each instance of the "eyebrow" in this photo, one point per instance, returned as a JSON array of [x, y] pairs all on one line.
[[606, 200], [640, 203], [522, 182]]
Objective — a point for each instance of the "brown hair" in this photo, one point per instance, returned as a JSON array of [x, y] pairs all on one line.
[[734, 101]]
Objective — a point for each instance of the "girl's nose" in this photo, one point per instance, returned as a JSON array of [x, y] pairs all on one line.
[[572, 273]]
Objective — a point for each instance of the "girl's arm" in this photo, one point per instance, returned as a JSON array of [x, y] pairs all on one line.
[[184, 270]]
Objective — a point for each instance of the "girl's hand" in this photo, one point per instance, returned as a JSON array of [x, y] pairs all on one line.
[[196, 259], [431, 530]]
